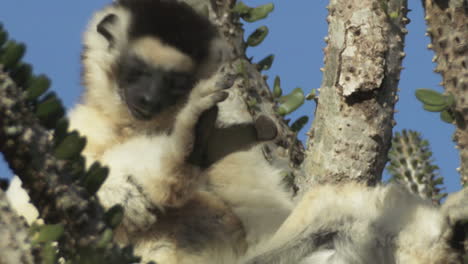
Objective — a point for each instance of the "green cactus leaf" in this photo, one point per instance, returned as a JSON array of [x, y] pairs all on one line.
[[277, 91], [241, 8], [257, 36], [291, 102], [447, 116], [37, 87], [450, 99], [48, 254], [299, 123], [265, 63], [114, 216], [95, 177], [70, 147], [438, 181], [435, 108], [433, 98], [60, 131], [77, 168], [394, 15], [3, 37], [257, 13], [106, 238], [22, 74], [49, 110], [12, 54], [48, 233]]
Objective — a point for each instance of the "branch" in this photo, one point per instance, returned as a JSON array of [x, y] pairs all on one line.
[[351, 133], [412, 165], [28, 148], [447, 27], [250, 96]]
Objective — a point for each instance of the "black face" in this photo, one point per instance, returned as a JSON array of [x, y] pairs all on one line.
[[148, 90]]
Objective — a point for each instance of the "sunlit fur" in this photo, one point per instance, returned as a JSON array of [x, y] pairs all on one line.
[[174, 211], [236, 211], [383, 224]]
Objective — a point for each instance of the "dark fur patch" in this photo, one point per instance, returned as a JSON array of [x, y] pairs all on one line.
[[175, 23]]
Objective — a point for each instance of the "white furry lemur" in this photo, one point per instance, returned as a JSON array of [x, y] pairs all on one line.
[[147, 67], [148, 72]]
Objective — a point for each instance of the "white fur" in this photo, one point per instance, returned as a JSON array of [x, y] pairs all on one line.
[[20, 201], [156, 53], [384, 224], [149, 176], [178, 213]]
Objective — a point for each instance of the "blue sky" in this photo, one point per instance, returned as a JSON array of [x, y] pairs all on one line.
[[52, 31]]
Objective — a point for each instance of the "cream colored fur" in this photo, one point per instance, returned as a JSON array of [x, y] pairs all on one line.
[[227, 214], [383, 224]]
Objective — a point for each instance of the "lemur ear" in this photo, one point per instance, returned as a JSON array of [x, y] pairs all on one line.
[[103, 28]]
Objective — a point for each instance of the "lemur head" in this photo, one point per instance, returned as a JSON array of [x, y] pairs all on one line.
[[147, 54]]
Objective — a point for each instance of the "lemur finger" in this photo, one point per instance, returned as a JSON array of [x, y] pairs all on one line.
[[227, 81], [212, 85], [220, 96]]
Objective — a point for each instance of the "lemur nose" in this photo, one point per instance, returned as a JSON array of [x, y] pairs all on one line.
[[146, 100]]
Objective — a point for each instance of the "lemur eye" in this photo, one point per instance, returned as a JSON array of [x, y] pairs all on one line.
[[179, 82], [136, 73]]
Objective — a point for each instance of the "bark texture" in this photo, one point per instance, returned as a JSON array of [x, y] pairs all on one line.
[[351, 133], [27, 148], [447, 22]]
